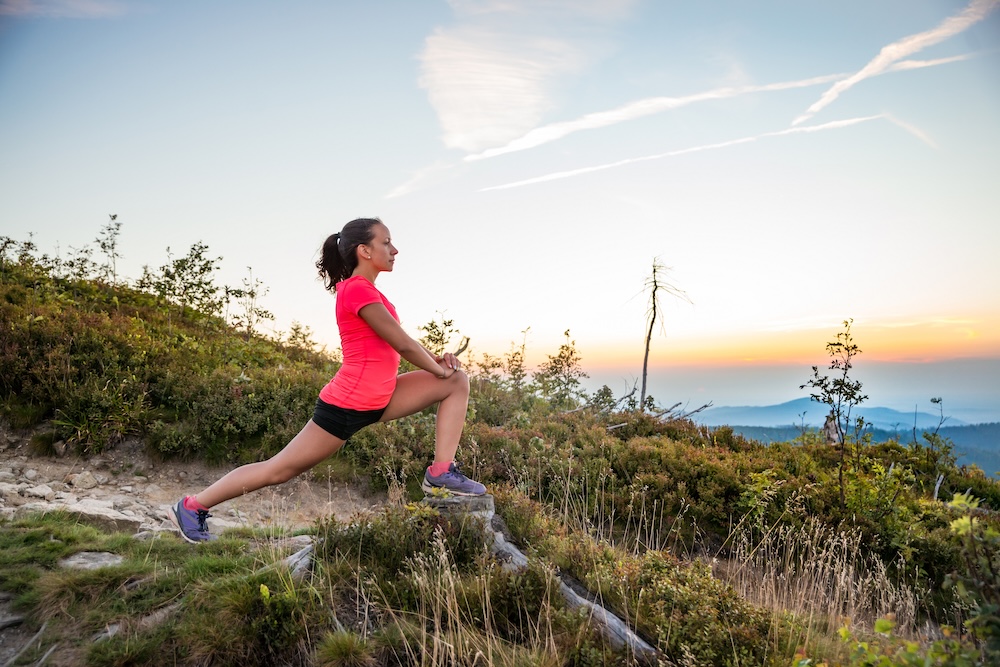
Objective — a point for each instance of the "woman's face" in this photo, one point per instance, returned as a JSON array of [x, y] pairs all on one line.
[[380, 249]]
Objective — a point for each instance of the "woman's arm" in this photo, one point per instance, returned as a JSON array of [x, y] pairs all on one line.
[[386, 326]]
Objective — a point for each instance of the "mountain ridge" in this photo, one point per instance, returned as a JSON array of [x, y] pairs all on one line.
[[805, 411]]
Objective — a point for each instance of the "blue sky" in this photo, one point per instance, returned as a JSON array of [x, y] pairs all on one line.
[[796, 164]]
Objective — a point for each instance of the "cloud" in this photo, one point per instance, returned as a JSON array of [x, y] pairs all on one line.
[[837, 124], [490, 77], [421, 178], [638, 109], [60, 9], [892, 53], [555, 131], [488, 88]]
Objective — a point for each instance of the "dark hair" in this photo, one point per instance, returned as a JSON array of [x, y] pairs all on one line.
[[339, 258]]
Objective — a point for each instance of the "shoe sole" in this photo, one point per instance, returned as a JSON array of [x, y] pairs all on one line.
[[429, 489], [172, 515]]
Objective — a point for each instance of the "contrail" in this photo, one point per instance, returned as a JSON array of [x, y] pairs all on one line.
[[890, 54], [555, 131], [638, 109], [620, 163]]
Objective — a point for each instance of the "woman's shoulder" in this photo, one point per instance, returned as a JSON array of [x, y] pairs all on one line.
[[356, 286]]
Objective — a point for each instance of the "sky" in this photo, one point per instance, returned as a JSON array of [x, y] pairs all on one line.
[[794, 165]]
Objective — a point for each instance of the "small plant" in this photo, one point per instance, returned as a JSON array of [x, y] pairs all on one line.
[[558, 378], [840, 392]]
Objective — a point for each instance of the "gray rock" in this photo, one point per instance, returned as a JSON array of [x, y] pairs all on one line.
[[31, 475], [92, 512], [7, 475], [7, 489], [85, 480], [91, 560], [43, 491], [59, 448]]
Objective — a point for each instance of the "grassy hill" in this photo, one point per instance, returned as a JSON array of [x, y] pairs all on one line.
[[718, 549]]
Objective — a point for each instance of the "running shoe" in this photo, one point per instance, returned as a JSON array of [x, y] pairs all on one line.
[[454, 481], [193, 524]]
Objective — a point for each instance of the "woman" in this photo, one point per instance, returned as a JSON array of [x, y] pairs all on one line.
[[366, 388]]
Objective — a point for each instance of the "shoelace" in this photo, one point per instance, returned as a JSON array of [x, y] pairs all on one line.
[[202, 521]]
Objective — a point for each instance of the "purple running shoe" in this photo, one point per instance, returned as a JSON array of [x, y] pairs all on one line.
[[454, 481], [192, 523]]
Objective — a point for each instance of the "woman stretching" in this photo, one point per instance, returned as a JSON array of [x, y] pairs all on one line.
[[366, 388]]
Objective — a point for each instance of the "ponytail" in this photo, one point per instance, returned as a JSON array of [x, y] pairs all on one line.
[[339, 256]]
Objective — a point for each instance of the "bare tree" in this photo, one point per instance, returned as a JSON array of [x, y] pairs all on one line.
[[655, 284]]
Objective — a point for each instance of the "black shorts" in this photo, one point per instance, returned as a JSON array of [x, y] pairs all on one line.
[[343, 422]]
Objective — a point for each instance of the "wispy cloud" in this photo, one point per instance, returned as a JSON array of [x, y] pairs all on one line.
[[490, 76], [893, 53], [422, 178], [833, 125], [638, 109], [62, 9]]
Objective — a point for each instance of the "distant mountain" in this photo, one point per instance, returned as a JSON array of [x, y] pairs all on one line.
[[811, 413], [977, 444]]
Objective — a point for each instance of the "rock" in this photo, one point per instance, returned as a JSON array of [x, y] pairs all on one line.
[[91, 560], [31, 474], [481, 507], [7, 489], [59, 448], [7, 475], [93, 513], [43, 491], [85, 480]]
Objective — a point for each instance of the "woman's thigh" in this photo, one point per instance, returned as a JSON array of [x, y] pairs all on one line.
[[418, 390]]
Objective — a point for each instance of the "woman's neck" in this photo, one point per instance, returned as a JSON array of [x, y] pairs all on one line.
[[369, 273]]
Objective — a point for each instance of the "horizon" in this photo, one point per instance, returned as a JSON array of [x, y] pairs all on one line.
[[794, 166]]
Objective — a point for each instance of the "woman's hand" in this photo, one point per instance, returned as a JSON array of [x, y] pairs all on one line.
[[449, 360]]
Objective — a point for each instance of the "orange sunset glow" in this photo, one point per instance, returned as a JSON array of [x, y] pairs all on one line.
[[932, 339]]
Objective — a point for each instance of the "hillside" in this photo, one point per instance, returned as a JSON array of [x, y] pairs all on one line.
[[717, 549]]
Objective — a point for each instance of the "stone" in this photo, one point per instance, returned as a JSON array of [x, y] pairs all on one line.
[[7, 489], [85, 480], [43, 491], [92, 513], [91, 560], [59, 448], [481, 507], [31, 474], [7, 475]]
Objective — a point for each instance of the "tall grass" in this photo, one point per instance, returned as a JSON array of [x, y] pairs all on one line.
[[817, 579]]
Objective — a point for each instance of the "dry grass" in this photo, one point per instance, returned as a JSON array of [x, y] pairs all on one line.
[[817, 578]]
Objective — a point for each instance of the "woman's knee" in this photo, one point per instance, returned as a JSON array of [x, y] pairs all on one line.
[[460, 380]]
